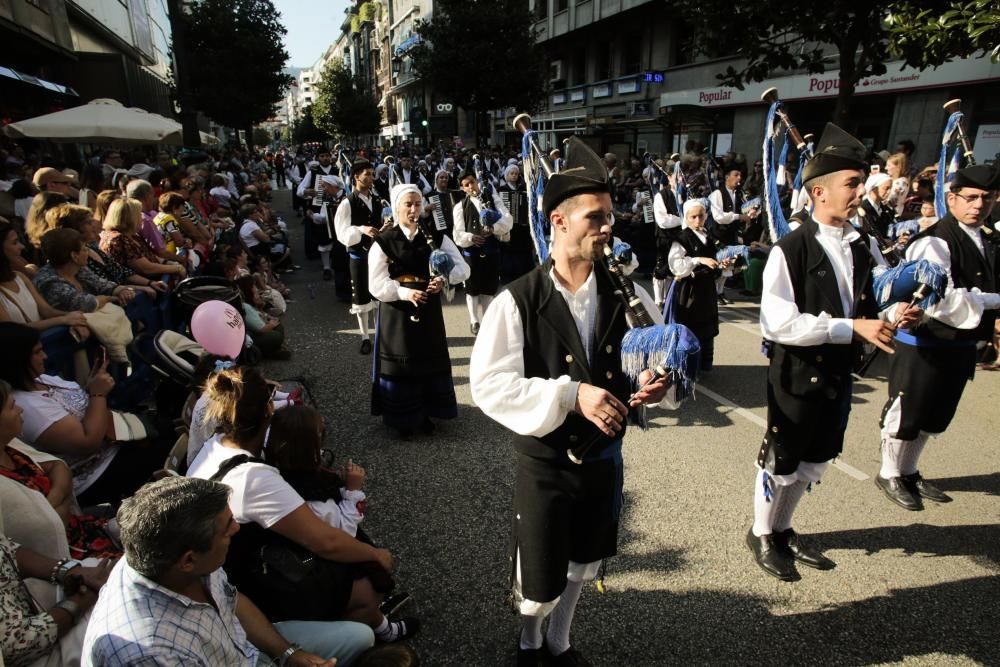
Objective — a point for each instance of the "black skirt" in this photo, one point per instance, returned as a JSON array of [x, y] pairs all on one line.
[[484, 263]]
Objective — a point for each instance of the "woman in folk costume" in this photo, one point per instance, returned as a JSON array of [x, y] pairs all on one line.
[[409, 267], [517, 250], [692, 261]]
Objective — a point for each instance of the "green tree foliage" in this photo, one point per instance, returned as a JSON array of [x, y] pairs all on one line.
[[305, 130], [929, 33], [343, 107], [482, 54], [776, 35], [236, 60]]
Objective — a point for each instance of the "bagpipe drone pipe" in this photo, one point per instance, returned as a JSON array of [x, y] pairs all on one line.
[[670, 350], [955, 148], [779, 123]]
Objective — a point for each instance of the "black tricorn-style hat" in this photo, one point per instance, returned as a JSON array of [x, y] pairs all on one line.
[[468, 172], [982, 176], [837, 150], [359, 166], [583, 171]]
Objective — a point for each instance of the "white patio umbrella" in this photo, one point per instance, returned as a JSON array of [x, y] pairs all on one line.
[[99, 121]]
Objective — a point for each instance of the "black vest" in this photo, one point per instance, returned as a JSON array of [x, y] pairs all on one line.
[[814, 284], [665, 237], [698, 306], [361, 216], [474, 225], [969, 269], [727, 234], [552, 348]]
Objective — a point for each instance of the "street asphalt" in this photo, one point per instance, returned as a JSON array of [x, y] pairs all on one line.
[[913, 588]]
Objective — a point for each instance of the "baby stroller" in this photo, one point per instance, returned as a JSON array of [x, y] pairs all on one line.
[[192, 292]]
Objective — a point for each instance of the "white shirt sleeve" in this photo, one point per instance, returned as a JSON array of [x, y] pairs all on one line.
[[343, 515], [40, 412], [304, 184], [463, 239], [528, 406], [462, 270], [680, 264], [347, 233], [780, 319], [961, 308], [720, 216], [664, 219], [381, 286], [264, 497]]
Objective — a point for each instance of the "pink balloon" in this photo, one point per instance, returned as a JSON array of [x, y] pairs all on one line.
[[218, 327]]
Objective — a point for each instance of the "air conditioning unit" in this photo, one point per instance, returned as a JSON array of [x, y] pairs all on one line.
[[555, 70]]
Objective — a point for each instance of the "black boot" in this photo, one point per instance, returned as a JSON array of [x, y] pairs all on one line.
[[771, 558]]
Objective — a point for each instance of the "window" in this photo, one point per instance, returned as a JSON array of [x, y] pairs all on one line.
[[541, 9], [562, 5], [579, 68], [602, 61], [632, 53]]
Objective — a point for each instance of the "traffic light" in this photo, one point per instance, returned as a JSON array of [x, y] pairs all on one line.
[[418, 116]]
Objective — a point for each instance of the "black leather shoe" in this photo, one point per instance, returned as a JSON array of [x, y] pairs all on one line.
[[366, 346], [474, 328], [568, 658], [771, 558], [531, 657], [723, 301], [895, 490], [789, 540], [919, 486]]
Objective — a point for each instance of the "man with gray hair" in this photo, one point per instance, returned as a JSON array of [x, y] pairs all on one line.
[[168, 602], [143, 191]]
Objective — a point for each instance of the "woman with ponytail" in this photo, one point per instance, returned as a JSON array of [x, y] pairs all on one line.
[[275, 519]]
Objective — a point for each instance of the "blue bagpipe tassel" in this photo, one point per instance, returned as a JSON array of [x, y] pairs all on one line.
[[777, 223], [898, 229], [623, 252], [946, 166], [736, 252], [535, 180], [899, 283], [768, 493]]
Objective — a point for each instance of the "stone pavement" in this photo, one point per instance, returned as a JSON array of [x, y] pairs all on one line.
[[910, 588]]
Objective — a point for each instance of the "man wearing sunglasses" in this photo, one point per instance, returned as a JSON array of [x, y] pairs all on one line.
[[936, 358]]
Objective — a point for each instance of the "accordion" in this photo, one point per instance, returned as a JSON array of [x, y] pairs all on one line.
[[647, 208], [321, 197], [516, 203], [442, 209]]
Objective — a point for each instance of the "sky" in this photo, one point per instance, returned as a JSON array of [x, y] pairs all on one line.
[[312, 26]]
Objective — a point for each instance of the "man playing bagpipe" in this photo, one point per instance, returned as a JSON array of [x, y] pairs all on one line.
[[817, 305], [727, 211], [548, 366], [320, 192], [479, 219], [668, 226], [937, 357]]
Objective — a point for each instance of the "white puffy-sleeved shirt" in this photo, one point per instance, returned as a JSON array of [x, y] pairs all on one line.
[[681, 266], [463, 238], [664, 219], [780, 319], [531, 406], [961, 308], [347, 233], [718, 214], [385, 289]]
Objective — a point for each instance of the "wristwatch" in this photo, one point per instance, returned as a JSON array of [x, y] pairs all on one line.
[[286, 656], [61, 569]]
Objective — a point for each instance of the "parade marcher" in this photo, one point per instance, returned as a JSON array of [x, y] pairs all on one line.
[[407, 174], [296, 172], [479, 244], [358, 222], [936, 358], [818, 301], [380, 183], [413, 380], [727, 211], [874, 208], [668, 225], [548, 367], [320, 190], [692, 262], [440, 204], [517, 250]]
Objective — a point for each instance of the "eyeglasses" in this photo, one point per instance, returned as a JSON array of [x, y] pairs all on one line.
[[987, 198]]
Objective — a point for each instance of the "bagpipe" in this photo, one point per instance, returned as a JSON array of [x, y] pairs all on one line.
[[670, 351], [954, 147], [778, 123], [440, 264], [343, 167], [390, 162], [488, 214]]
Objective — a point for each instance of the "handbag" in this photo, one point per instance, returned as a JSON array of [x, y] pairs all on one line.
[[111, 326]]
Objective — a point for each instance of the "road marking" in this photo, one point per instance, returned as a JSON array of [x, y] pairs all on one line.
[[840, 465], [740, 325]]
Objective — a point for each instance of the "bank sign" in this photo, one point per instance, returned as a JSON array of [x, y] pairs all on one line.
[[820, 86]]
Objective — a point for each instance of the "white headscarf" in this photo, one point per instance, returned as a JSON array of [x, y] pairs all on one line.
[[690, 204], [397, 193], [876, 180], [508, 170]]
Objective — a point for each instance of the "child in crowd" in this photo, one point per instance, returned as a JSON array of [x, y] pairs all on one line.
[[273, 292], [928, 215]]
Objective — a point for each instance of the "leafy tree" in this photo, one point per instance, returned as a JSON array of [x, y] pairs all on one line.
[[305, 129], [344, 107], [774, 35], [262, 137], [466, 51], [236, 58], [930, 33]]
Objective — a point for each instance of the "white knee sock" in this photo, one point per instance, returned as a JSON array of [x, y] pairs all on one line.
[[472, 302], [561, 619], [892, 457], [531, 631], [786, 504], [363, 324], [484, 303], [912, 450], [325, 256], [764, 510], [659, 290]]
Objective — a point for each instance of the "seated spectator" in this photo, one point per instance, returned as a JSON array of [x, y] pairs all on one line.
[[122, 242], [108, 458], [35, 225], [63, 333], [91, 183], [261, 239], [13, 254], [38, 506], [219, 192], [267, 332], [49, 635], [104, 199], [269, 509], [168, 601], [22, 192], [273, 293]]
